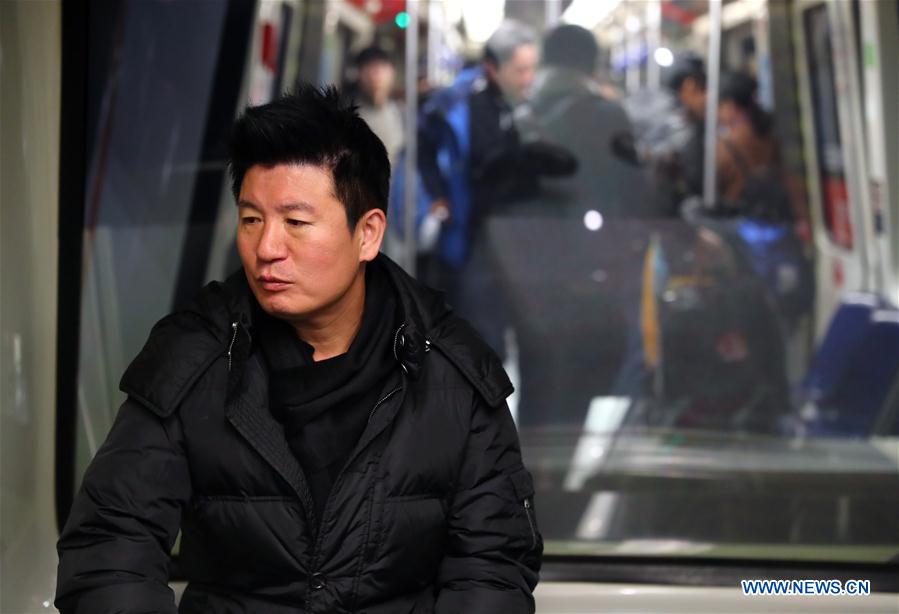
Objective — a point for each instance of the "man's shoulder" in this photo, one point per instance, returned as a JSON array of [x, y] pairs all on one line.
[[433, 327], [464, 352], [486, 102], [445, 100], [180, 347]]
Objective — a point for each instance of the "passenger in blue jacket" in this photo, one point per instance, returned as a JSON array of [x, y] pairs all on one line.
[[472, 163], [327, 435], [472, 122]]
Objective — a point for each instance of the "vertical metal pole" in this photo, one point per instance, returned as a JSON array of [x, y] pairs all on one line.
[[411, 198], [552, 12], [435, 39], [709, 186], [764, 71], [653, 42]]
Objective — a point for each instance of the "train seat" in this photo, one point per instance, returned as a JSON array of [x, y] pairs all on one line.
[[846, 388]]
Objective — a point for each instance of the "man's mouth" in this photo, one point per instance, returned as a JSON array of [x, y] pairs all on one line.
[[271, 283]]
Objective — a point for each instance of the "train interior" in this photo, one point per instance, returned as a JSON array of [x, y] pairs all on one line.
[[707, 380]]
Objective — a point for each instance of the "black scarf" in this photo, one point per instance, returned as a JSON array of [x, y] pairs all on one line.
[[325, 405]]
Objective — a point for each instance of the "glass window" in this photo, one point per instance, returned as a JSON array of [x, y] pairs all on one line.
[[670, 396], [158, 103]]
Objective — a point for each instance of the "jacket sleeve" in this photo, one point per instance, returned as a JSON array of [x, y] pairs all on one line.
[[494, 549], [429, 131], [115, 549]]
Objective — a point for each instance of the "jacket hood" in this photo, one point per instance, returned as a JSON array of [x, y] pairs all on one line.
[[429, 322], [218, 323]]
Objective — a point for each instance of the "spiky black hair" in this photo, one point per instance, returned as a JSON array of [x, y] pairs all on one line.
[[314, 125]]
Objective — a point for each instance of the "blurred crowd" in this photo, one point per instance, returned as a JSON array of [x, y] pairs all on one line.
[[531, 139]]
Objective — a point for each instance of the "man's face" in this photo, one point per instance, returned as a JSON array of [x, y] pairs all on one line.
[[728, 113], [515, 76], [298, 252], [376, 79], [692, 96]]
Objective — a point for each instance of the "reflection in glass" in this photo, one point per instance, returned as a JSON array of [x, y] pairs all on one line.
[[671, 399]]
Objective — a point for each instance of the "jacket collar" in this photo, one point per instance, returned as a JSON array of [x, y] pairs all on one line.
[[429, 322], [248, 413], [218, 323]]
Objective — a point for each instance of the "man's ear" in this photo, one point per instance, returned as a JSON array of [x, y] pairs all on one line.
[[370, 233], [491, 69]]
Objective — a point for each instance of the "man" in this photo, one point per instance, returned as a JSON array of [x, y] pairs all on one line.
[[472, 162], [566, 364], [383, 115], [568, 108], [326, 433], [472, 121], [375, 79], [687, 80]]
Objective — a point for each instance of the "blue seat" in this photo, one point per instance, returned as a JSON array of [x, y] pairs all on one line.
[[853, 371]]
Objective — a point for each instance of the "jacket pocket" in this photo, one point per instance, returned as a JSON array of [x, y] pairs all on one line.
[[523, 485]]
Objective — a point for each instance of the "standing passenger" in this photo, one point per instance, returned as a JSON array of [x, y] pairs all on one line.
[[382, 114], [569, 109], [376, 76], [687, 80], [470, 160], [327, 435], [752, 186], [747, 157], [564, 366]]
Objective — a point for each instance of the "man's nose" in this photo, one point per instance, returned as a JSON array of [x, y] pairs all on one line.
[[271, 243]]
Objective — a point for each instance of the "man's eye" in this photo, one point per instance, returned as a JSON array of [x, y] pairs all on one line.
[[292, 222], [248, 221]]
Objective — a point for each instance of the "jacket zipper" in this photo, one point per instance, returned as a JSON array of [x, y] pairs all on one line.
[[527, 512], [231, 345], [396, 340], [318, 535], [378, 404]]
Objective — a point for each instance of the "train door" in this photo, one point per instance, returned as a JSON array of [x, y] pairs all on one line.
[[831, 104], [879, 29]]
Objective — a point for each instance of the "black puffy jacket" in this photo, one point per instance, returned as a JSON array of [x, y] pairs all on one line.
[[433, 511]]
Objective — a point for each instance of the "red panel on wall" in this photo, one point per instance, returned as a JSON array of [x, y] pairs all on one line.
[[381, 11], [839, 220]]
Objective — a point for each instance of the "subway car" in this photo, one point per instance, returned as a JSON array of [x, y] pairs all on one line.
[[707, 393]]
